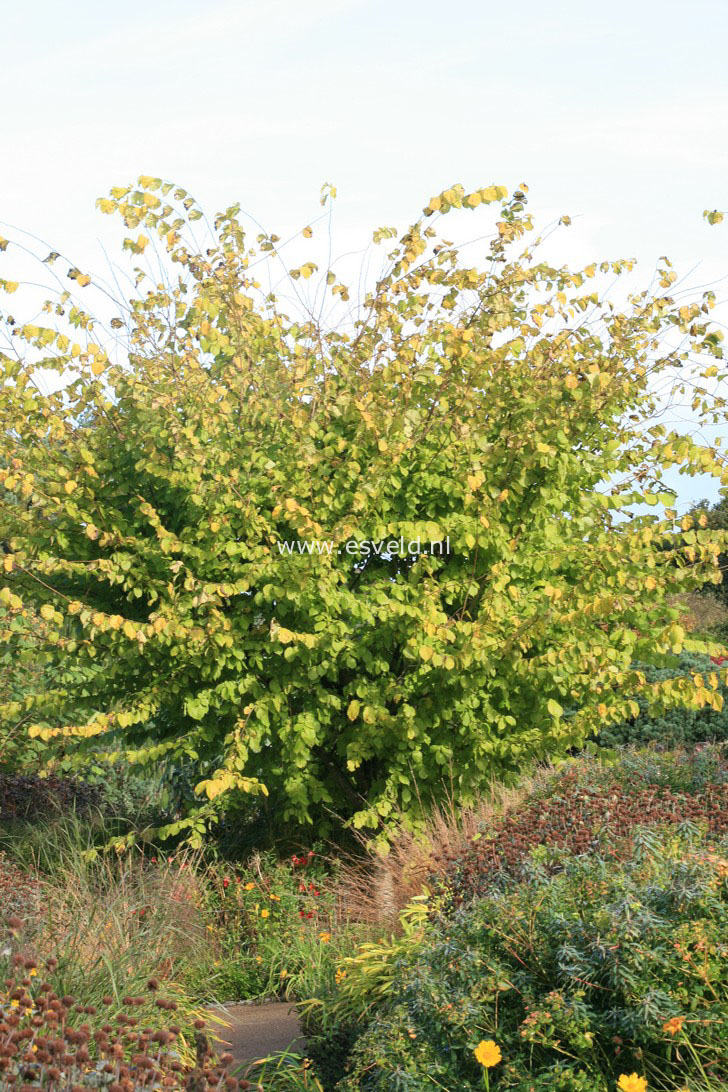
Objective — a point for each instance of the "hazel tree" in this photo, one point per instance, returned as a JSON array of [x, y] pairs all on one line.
[[157, 465]]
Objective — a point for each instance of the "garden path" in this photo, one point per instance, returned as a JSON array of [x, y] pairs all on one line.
[[255, 1031]]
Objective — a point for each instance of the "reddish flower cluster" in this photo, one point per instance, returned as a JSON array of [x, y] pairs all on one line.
[[719, 660], [306, 889], [46, 1042], [302, 862], [581, 818]]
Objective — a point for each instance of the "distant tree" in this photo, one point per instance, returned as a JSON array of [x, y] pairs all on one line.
[[716, 516], [155, 463]]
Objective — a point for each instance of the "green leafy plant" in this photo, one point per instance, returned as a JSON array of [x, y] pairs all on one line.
[[584, 972], [179, 507]]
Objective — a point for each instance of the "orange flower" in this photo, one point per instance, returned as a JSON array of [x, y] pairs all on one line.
[[487, 1053], [249, 886], [674, 1025], [324, 937], [264, 913]]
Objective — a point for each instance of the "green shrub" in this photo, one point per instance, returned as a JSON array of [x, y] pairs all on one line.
[[581, 971], [674, 726], [187, 566]]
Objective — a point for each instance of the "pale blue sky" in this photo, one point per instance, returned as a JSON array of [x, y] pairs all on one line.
[[616, 114]]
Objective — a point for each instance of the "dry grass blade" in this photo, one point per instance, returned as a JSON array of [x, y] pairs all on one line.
[[377, 888]]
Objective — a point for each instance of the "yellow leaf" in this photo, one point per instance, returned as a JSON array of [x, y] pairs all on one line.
[[307, 233], [82, 280], [426, 652], [70, 486], [129, 630], [98, 365], [47, 612]]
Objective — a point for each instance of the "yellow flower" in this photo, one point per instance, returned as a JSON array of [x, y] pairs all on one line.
[[259, 959], [633, 1083], [32, 972], [275, 898], [264, 913], [487, 1053], [14, 1004], [284, 974], [324, 937], [249, 886], [674, 1025], [339, 975]]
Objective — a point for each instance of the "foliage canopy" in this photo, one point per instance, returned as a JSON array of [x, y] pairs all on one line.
[[154, 462]]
